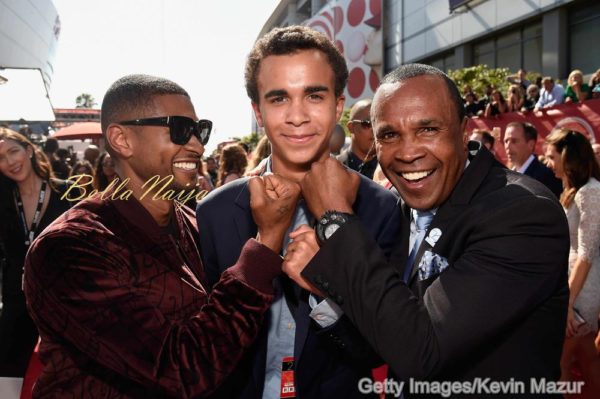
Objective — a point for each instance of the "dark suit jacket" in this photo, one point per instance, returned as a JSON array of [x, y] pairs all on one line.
[[543, 174], [330, 361], [498, 310]]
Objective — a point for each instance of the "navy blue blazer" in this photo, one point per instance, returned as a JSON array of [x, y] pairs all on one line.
[[544, 175], [329, 361]]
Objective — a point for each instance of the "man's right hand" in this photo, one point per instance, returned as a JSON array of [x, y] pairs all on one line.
[[273, 200]]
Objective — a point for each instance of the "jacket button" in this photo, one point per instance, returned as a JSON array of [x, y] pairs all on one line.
[[339, 300]]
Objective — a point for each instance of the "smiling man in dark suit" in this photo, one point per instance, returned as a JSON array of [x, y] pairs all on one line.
[[295, 78], [487, 278], [519, 141]]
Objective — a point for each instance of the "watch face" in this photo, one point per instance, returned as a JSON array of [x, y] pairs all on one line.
[[329, 230]]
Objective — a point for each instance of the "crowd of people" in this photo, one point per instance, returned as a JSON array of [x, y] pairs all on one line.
[[526, 96], [309, 263]]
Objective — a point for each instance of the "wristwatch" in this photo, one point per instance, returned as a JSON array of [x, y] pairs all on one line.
[[329, 223]]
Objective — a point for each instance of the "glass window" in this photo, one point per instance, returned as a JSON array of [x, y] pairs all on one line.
[[585, 51], [508, 39], [438, 63], [483, 48], [532, 55], [584, 14], [448, 62], [532, 30], [485, 59], [584, 29], [516, 49], [509, 57]]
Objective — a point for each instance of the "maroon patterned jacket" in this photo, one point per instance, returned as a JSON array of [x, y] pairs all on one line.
[[121, 310]]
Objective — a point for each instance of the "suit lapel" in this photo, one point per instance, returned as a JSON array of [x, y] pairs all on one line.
[[481, 160], [246, 228]]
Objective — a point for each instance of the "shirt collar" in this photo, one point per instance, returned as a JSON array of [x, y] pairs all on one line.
[[524, 167]]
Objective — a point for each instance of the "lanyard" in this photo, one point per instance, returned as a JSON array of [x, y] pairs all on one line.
[[29, 234]]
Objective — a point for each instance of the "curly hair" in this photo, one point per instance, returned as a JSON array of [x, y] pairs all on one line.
[[291, 40]]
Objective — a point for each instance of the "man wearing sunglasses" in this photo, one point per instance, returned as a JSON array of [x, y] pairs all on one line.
[[295, 78], [361, 155], [116, 287]]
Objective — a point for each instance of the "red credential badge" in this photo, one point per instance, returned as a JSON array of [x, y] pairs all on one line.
[[288, 389]]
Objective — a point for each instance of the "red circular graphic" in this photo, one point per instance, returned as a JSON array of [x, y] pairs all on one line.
[[321, 27], [375, 6], [356, 12], [340, 45], [373, 80], [338, 19], [356, 82], [325, 14]]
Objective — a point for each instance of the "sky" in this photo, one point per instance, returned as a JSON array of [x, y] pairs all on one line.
[[200, 44]]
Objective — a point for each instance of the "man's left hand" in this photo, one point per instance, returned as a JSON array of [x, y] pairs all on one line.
[[300, 251]]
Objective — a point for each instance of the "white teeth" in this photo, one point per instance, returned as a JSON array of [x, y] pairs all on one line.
[[411, 176], [186, 165]]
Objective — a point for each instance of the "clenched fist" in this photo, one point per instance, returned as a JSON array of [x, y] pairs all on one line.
[[329, 186], [273, 200]]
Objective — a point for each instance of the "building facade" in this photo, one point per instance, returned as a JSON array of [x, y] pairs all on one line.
[[29, 31], [551, 37]]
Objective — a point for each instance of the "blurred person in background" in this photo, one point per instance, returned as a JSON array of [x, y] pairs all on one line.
[[485, 138], [337, 140], [105, 172], [360, 156], [551, 94], [515, 98], [570, 156], [577, 91], [91, 154], [596, 92], [83, 168], [520, 139], [30, 201], [594, 80], [204, 181], [65, 161], [519, 79], [533, 95], [256, 165], [472, 107], [233, 164], [596, 148], [212, 169], [61, 169], [496, 106]]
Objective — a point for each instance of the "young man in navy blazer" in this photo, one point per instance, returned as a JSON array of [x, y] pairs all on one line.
[[295, 78]]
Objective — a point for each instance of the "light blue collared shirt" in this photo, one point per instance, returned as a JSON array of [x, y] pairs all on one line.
[[282, 327]]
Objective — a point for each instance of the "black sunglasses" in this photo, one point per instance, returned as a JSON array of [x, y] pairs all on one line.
[[181, 128], [365, 123]]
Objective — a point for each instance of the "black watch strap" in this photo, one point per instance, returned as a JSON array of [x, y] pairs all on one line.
[[329, 223]]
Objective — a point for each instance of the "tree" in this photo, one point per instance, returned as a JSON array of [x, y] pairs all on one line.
[[251, 140], [478, 77], [85, 100], [344, 120]]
